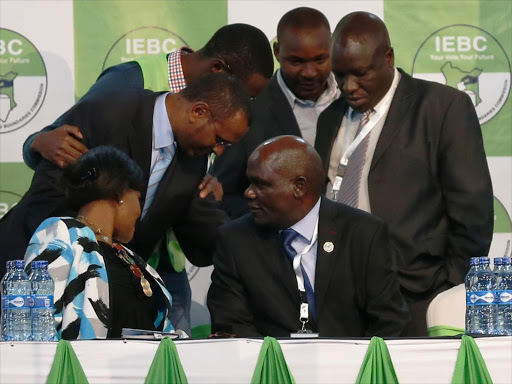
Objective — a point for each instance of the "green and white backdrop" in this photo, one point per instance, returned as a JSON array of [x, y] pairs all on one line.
[[52, 51]]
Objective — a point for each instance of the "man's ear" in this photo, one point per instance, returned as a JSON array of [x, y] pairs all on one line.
[[299, 187], [276, 50], [200, 110], [390, 57], [218, 65]]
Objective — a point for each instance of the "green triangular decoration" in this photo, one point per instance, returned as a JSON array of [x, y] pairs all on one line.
[[271, 366], [66, 368], [470, 366], [377, 367], [166, 366]]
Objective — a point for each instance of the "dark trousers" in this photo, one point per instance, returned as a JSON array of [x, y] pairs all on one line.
[[178, 285]]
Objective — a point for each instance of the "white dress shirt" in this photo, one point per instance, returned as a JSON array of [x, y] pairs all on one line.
[[346, 135], [306, 111]]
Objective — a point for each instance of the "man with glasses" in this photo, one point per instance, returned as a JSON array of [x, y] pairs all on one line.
[[170, 136], [238, 49]]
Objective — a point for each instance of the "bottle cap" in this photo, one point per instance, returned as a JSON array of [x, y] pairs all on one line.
[[484, 260], [498, 261]]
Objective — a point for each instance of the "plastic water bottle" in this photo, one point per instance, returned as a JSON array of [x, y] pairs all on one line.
[[498, 267], [504, 297], [469, 282], [484, 320], [5, 305], [43, 323], [19, 300]]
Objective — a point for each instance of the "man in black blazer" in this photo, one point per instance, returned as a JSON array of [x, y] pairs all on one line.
[[352, 292], [291, 103], [205, 117], [425, 171]]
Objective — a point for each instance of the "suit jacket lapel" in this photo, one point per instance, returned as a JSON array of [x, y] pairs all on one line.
[[328, 234], [328, 125], [280, 108], [399, 109]]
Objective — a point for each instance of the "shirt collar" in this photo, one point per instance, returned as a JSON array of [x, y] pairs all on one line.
[[306, 226], [175, 70], [330, 94], [163, 135]]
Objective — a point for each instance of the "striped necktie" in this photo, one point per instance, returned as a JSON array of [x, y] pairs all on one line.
[[165, 156], [349, 190]]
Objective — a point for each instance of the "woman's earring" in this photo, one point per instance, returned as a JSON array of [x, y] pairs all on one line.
[[121, 202]]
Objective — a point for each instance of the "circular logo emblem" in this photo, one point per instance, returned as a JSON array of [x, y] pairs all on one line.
[[469, 59], [142, 42], [23, 80]]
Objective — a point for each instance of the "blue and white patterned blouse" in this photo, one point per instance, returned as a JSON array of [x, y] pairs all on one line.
[[78, 270]]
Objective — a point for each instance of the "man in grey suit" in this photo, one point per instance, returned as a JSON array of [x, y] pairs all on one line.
[[340, 255], [418, 162]]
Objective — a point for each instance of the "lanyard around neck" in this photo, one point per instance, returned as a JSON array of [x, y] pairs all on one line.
[[304, 307], [360, 137]]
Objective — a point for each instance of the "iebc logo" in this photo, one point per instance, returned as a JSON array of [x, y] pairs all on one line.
[[23, 80], [469, 59]]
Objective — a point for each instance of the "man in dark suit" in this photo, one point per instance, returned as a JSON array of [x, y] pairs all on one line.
[[341, 269], [241, 50], [290, 105], [205, 117], [238, 49], [423, 167]]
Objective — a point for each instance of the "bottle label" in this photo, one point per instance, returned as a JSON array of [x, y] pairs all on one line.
[[43, 301], [482, 297], [4, 302], [20, 301], [504, 297]]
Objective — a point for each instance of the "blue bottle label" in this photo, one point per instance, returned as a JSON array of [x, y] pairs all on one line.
[[504, 297], [482, 297], [20, 301], [4, 302], [43, 301]]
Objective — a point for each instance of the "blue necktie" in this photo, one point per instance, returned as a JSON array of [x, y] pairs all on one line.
[[165, 156], [287, 236]]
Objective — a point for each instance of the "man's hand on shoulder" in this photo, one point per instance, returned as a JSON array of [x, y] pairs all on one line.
[[210, 184], [61, 146]]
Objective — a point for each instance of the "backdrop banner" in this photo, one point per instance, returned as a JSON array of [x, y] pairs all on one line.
[[51, 52]]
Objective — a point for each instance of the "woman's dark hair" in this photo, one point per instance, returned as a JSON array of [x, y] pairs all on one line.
[[102, 173]]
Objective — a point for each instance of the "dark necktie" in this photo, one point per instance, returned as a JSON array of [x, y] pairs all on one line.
[[349, 190], [287, 236]]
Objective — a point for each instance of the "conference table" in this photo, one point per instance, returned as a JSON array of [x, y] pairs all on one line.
[[324, 360]]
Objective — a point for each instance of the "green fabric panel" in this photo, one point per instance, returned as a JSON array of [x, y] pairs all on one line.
[[201, 331], [166, 366], [175, 252], [155, 72], [66, 367], [470, 367], [377, 367], [444, 330], [271, 367]]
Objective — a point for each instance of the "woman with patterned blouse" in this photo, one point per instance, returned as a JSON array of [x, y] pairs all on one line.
[[100, 285]]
